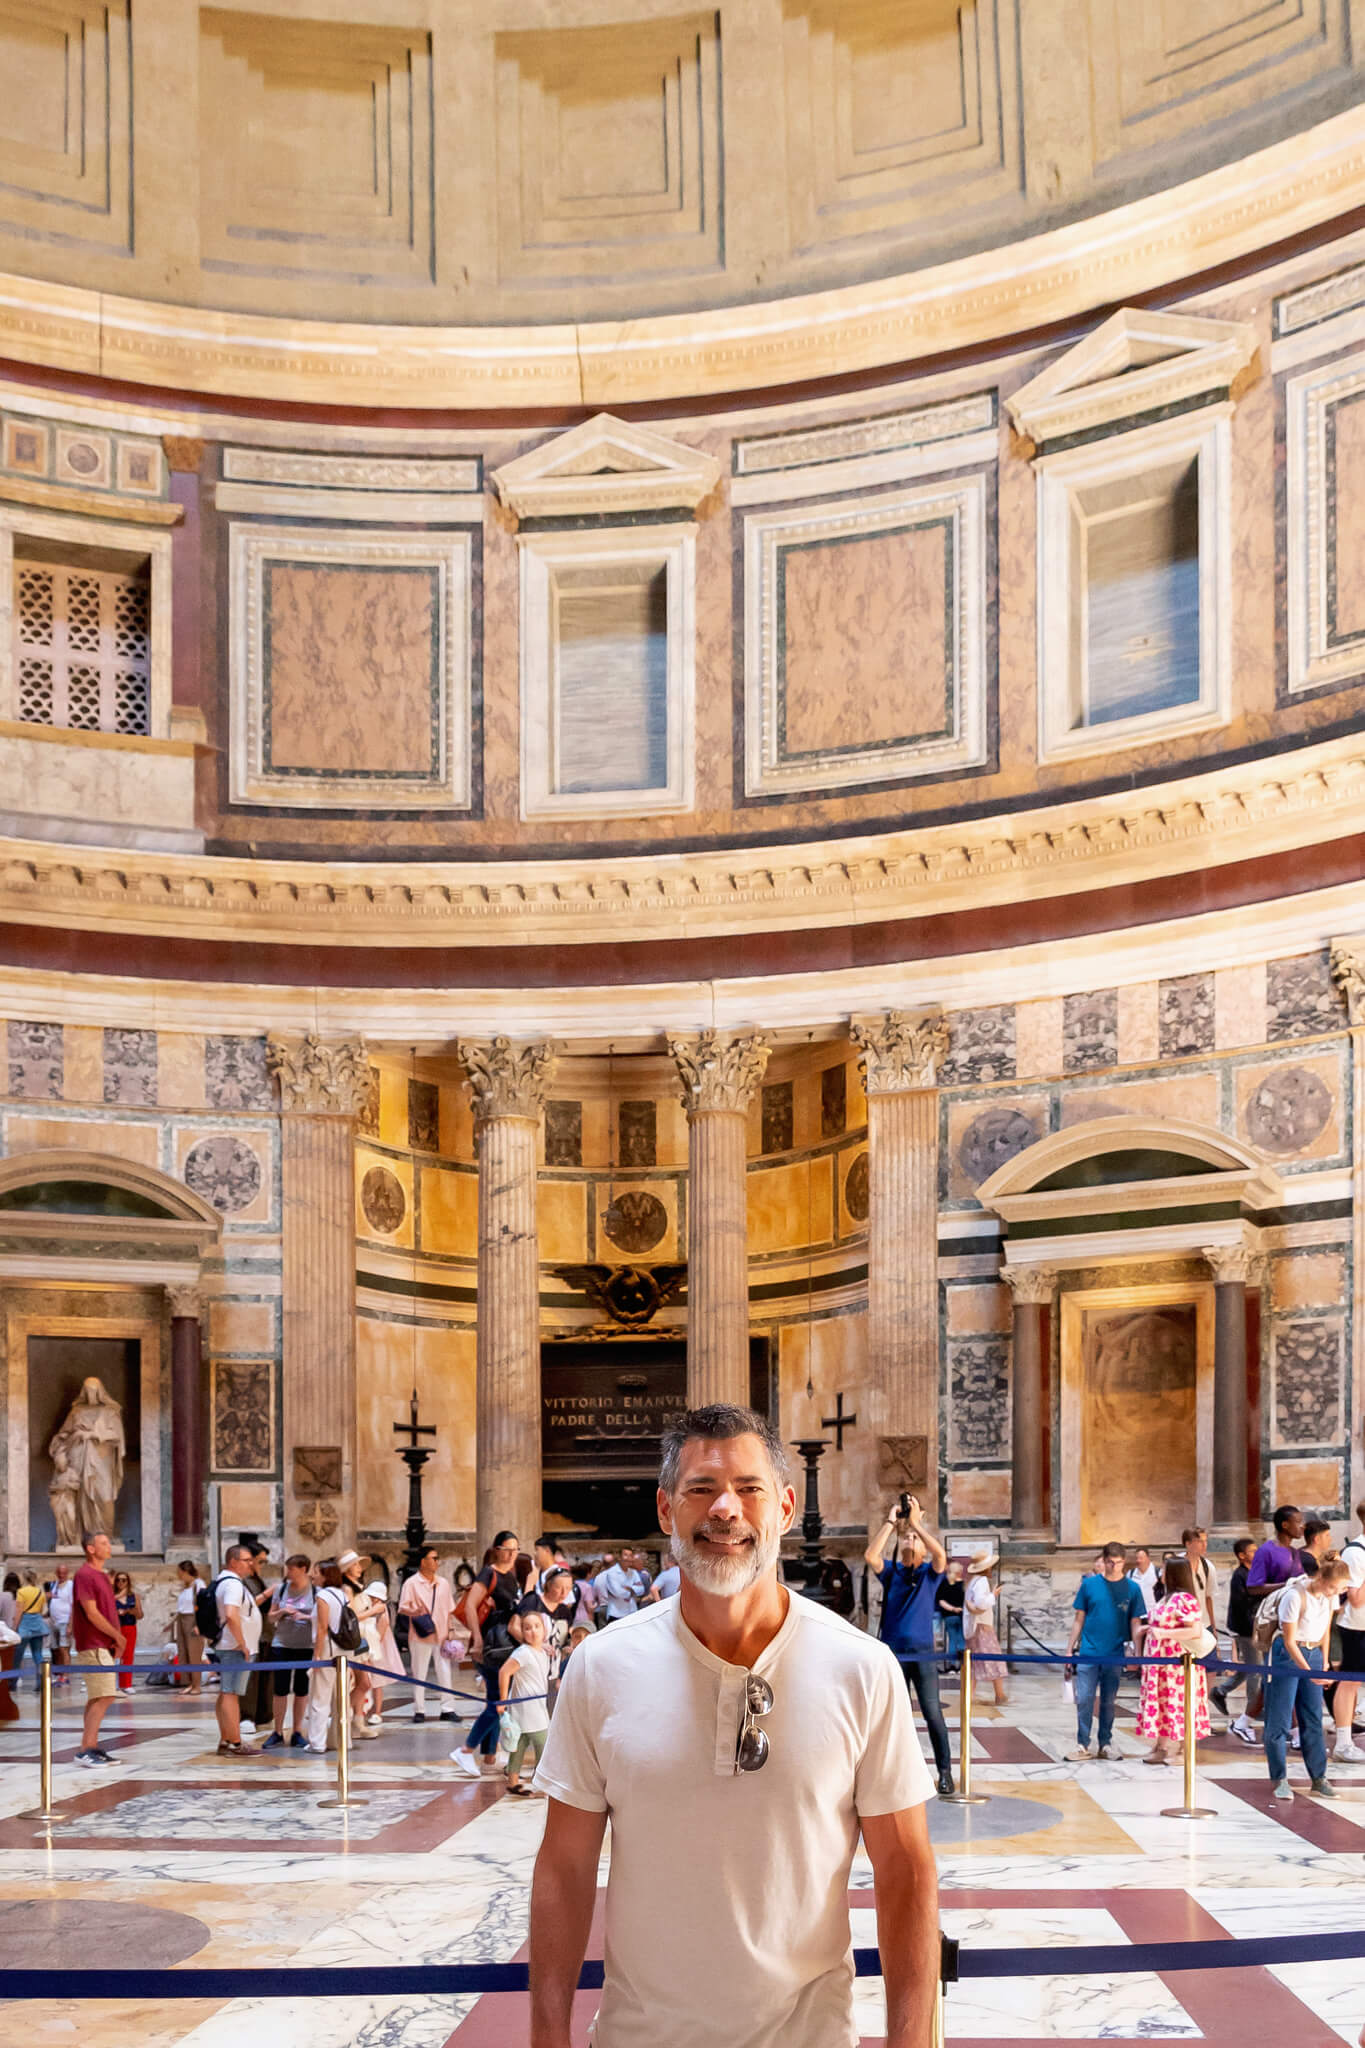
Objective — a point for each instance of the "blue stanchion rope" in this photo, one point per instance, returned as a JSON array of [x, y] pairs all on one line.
[[446, 1980]]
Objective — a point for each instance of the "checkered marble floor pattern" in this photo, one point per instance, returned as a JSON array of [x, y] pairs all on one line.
[[175, 1856]]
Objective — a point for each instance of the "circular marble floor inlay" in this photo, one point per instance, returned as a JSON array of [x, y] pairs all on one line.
[[49, 1934], [979, 1823]]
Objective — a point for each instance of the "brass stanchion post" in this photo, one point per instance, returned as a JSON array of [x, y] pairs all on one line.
[[44, 1810], [964, 1795], [1189, 1811], [344, 1794]]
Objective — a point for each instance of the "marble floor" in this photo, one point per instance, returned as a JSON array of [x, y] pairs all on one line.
[[175, 1856]]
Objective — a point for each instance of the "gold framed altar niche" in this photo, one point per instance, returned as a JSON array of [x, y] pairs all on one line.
[[1136, 1411]]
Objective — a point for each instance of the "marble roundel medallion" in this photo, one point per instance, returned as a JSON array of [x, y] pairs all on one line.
[[383, 1200], [992, 1138], [857, 1199], [635, 1221], [225, 1172], [1288, 1110]]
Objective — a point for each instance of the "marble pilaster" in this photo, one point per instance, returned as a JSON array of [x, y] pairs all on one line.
[[1033, 1288], [719, 1071], [899, 1056], [321, 1088], [508, 1084]]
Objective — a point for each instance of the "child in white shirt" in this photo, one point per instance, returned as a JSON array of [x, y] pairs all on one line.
[[523, 1683]]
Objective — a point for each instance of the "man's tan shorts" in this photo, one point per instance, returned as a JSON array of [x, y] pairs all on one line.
[[97, 1669]]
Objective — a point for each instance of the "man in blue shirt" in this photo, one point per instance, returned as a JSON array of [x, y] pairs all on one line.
[[909, 1593], [1108, 1611]]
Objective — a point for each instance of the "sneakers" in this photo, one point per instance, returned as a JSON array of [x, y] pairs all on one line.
[[1245, 1731], [273, 1741], [1294, 1740], [296, 1741], [373, 1721], [1110, 1753], [93, 1759], [1281, 1789], [248, 1727], [1077, 1755], [1322, 1790], [418, 1719], [1347, 1753], [236, 1749], [467, 1763], [450, 1717], [1218, 1699], [362, 1732]]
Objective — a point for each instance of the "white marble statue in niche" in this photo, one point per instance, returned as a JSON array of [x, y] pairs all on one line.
[[87, 1458]]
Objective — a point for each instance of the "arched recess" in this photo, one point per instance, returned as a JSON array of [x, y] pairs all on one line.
[[1155, 1403], [94, 1249]]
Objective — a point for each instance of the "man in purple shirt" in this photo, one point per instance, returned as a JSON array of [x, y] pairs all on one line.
[[1277, 1562]]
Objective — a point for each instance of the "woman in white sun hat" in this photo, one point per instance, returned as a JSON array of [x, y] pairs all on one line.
[[978, 1624]]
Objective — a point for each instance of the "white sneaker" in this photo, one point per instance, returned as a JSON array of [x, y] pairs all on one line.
[[1110, 1753], [466, 1762], [1348, 1753], [1245, 1731], [1294, 1742], [1076, 1755], [248, 1727], [500, 1760]]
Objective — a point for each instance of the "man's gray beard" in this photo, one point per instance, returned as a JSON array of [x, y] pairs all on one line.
[[728, 1575]]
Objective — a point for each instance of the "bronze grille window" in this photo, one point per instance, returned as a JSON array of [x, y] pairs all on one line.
[[83, 656]]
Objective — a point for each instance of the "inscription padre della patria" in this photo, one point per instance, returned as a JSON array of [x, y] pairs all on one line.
[[611, 1418]]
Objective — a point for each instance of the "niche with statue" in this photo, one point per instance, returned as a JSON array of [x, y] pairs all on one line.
[[85, 1435]]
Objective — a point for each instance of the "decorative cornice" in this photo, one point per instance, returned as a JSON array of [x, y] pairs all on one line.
[[1194, 822], [1030, 1285], [1109, 378], [185, 1302], [898, 1053], [1233, 1264], [507, 1080], [608, 468], [1348, 972], [719, 1069], [1121, 255], [317, 1078]]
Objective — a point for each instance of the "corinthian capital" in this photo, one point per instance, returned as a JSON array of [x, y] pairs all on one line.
[[719, 1069], [1348, 972], [897, 1052], [319, 1077], [506, 1079], [1233, 1263], [186, 1301], [1034, 1285]]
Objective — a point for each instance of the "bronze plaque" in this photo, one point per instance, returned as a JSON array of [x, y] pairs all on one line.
[[604, 1407], [902, 1463], [317, 1470]]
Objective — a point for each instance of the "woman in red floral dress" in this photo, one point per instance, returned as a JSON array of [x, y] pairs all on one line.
[[1175, 1625]]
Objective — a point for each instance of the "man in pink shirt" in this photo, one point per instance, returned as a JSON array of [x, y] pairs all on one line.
[[98, 1643], [428, 1600]]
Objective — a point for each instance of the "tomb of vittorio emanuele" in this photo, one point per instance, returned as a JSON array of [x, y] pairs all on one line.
[[680, 716]]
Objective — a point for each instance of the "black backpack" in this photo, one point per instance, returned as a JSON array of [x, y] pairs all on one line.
[[347, 1634], [207, 1620]]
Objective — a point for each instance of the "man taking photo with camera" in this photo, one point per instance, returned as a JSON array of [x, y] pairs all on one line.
[[910, 1586]]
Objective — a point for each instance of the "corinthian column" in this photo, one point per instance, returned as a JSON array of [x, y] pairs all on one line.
[[1033, 1288], [508, 1084], [719, 1072], [899, 1056], [1232, 1266], [1348, 971], [189, 1411], [321, 1088]]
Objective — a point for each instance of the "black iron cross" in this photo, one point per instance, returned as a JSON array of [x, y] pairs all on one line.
[[413, 1428], [838, 1421]]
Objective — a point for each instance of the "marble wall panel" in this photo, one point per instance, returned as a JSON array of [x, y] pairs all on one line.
[[140, 1142], [639, 1223], [831, 1351], [383, 1197], [790, 1206], [1193, 1097], [36, 1067], [563, 1133], [980, 1047], [1239, 1006], [1038, 1038], [130, 1067], [1185, 1014], [1313, 1484], [777, 1113], [245, 1326], [562, 1219], [984, 1135], [246, 1505], [243, 1412], [977, 1309], [231, 1168], [1308, 1359], [1302, 1000], [1292, 1108], [180, 1080], [392, 1356], [637, 1133], [236, 1075], [834, 1101], [367, 1115], [1090, 1031], [978, 1399], [424, 1116], [1309, 1279], [449, 1211], [1139, 1032], [84, 1062], [979, 1497], [455, 1123]]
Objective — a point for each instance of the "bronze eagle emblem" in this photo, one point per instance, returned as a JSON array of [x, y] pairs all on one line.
[[632, 1295]]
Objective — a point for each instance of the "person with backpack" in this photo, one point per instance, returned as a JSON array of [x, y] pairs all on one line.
[[1298, 1665], [336, 1627], [230, 1622], [487, 1610], [1351, 1635]]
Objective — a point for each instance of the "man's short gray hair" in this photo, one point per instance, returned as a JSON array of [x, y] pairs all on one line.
[[715, 1424]]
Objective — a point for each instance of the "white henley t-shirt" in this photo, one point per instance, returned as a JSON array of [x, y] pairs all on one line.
[[727, 1896]]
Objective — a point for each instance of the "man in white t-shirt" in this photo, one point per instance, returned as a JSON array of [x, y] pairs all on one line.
[[239, 1636], [620, 1588], [738, 1739], [1351, 1631], [1196, 1542]]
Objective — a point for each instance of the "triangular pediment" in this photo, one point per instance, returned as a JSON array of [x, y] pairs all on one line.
[[606, 466], [1135, 363]]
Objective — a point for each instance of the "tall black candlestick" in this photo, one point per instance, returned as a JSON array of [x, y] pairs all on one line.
[[414, 1456], [806, 1572]]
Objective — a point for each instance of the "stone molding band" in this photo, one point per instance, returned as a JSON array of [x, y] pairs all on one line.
[[1290, 189], [1214, 818]]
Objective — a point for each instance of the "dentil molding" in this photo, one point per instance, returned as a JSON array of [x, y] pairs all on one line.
[[1193, 822]]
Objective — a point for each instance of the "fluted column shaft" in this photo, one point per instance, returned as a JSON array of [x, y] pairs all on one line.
[[899, 1058], [321, 1086], [1232, 1266], [1032, 1288], [189, 1413], [719, 1072], [508, 1085]]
